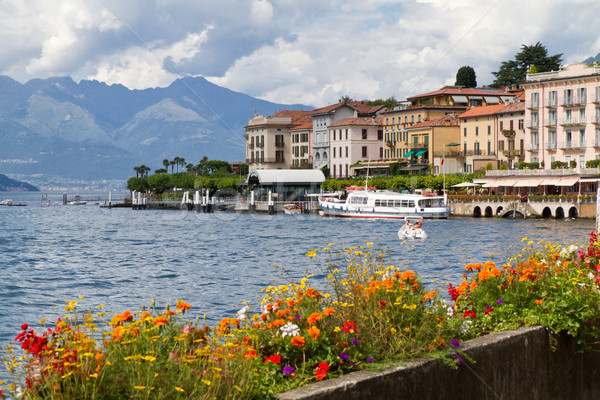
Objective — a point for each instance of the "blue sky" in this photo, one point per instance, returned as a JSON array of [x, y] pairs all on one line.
[[288, 51]]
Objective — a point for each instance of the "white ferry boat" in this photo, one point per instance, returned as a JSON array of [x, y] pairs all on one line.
[[385, 204]]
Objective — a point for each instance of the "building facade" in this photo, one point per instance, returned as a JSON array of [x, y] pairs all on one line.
[[511, 135], [353, 140], [301, 137], [325, 116], [268, 140], [562, 116]]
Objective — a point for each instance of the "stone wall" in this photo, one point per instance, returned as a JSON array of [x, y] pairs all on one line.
[[517, 364]]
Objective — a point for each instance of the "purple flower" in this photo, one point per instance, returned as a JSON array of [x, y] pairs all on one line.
[[298, 316], [369, 359], [355, 342], [458, 357], [344, 356], [500, 301], [288, 370], [352, 364], [455, 343]]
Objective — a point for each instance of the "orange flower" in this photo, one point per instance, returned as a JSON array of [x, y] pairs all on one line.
[[329, 311], [162, 320], [298, 341], [555, 256], [429, 295], [120, 318], [291, 303], [473, 285], [182, 305], [310, 292], [538, 302], [144, 315], [169, 312], [313, 318], [407, 276], [314, 332]]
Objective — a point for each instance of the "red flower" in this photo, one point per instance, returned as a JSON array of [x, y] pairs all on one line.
[[24, 327], [469, 313], [321, 371], [275, 359], [382, 304]]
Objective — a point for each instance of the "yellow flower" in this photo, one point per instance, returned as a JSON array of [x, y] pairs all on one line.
[[393, 330], [311, 254], [179, 389], [206, 382]]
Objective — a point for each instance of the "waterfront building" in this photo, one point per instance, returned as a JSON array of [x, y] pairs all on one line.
[[511, 134], [430, 142], [301, 137], [562, 116], [268, 141], [430, 106], [285, 184], [478, 136], [325, 116], [353, 140]]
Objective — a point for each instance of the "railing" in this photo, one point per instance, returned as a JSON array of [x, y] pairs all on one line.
[[550, 122], [533, 124], [266, 160], [533, 146], [541, 172], [551, 146], [279, 143], [572, 121], [251, 146], [419, 145], [532, 104], [570, 145], [596, 143]]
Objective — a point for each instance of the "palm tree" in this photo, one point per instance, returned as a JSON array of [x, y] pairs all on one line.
[[161, 171], [137, 171], [189, 168], [172, 164], [166, 163], [182, 162], [144, 170]]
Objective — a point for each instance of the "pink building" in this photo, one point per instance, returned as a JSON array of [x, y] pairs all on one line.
[[352, 140]]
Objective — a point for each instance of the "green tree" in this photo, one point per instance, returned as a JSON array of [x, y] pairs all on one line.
[[166, 164], [389, 103], [514, 71], [243, 169], [465, 76]]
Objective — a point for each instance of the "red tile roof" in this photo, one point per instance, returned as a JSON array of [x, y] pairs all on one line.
[[446, 120], [360, 106], [298, 117], [454, 91], [513, 107], [482, 110], [307, 125], [360, 121]]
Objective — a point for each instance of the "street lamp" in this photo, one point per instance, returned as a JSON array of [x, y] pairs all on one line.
[[452, 144]]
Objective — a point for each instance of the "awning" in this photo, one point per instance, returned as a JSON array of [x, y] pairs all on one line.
[[551, 182], [501, 182], [409, 153], [491, 100], [528, 183], [460, 99], [568, 181], [588, 180], [420, 153]]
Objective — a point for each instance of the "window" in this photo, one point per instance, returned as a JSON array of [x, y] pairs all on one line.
[[489, 148], [501, 145], [568, 139], [568, 96], [582, 115], [501, 125], [521, 124], [387, 153], [489, 130], [582, 138], [581, 95], [333, 153], [535, 99], [476, 131], [380, 135], [346, 151], [364, 134], [553, 98], [364, 152], [465, 131], [569, 117], [582, 161]]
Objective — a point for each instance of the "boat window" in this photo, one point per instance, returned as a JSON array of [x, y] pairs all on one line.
[[411, 203], [377, 203], [359, 200]]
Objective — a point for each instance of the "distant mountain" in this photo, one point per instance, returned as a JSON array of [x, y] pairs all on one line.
[[56, 132], [592, 59], [10, 185]]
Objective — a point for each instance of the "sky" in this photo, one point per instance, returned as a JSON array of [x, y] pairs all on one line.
[[311, 52]]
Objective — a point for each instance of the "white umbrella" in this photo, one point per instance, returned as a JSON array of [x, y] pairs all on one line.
[[465, 184]]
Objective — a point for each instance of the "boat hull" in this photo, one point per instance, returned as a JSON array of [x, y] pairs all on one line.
[[366, 214]]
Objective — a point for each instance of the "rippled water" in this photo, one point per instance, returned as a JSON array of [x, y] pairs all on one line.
[[124, 258]]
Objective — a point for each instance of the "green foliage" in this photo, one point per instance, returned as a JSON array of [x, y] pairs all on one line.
[[572, 164], [531, 165], [503, 167], [465, 76], [137, 184], [513, 72], [489, 166], [243, 169], [389, 103], [592, 163]]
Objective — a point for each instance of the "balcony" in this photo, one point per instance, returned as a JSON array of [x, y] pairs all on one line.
[[279, 143], [532, 104], [596, 99], [260, 145], [419, 145], [512, 153], [251, 146], [390, 143], [574, 101], [533, 147], [596, 119], [551, 103], [550, 122], [596, 143], [533, 124], [551, 146], [509, 133], [571, 145], [572, 121]]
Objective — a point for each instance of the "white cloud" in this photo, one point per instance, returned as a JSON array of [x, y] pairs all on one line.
[[312, 51]]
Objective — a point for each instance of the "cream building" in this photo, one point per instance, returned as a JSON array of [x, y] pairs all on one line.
[[562, 115]]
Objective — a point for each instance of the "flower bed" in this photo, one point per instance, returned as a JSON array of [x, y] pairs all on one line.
[[366, 314]]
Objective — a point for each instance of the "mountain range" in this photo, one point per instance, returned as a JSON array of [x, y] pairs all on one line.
[[59, 133]]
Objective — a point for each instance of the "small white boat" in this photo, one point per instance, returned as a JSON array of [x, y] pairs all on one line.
[[412, 232], [77, 201], [292, 209], [6, 202]]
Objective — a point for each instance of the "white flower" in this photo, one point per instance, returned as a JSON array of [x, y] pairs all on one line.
[[241, 314], [289, 329], [590, 275], [450, 311], [465, 326]]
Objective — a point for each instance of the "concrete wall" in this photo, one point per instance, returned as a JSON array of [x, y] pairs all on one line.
[[515, 364]]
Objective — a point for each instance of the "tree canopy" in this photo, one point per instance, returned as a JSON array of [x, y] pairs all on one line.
[[465, 76], [389, 103], [514, 71]]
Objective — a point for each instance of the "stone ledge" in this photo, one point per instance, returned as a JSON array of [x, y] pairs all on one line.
[[517, 364]]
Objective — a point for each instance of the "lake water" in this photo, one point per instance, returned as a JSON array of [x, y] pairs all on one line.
[[123, 258]]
